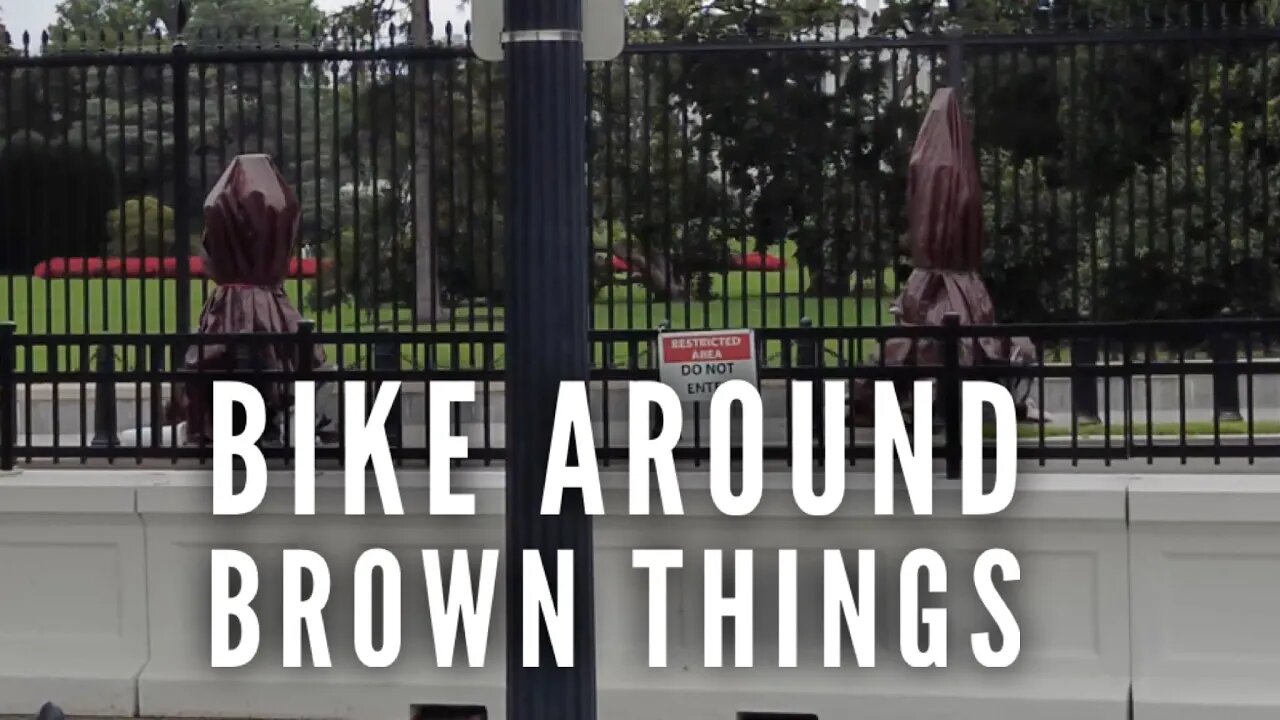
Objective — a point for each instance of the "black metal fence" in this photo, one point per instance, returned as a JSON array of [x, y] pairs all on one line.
[[1127, 157], [1144, 400]]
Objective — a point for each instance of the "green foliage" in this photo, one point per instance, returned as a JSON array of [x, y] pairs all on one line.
[[1190, 236], [376, 265], [127, 112], [793, 134], [56, 198], [144, 228], [1121, 180], [124, 20]]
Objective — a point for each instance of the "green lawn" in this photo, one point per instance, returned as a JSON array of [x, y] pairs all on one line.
[[750, 299], [71, 307], [1140, 430]]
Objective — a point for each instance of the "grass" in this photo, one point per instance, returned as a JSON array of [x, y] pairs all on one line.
[[73, 307], [741, 299], [1140, 430]]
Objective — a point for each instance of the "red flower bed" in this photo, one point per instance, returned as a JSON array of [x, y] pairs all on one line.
[[750, 261], [150, 267], [758, 261]]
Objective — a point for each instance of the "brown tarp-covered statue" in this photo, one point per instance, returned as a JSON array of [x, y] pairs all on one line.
[[945, 235], [251, 221]]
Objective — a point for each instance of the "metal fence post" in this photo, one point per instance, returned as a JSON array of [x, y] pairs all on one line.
[[950, 394], [181, 174], [955, 51], [386, 356], [9, 389], [105, 433], [1226, 379], [655, 423], [1084, 380]]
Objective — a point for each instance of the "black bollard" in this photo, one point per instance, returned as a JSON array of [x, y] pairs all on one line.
[[1226, 379], [807, 354], [950, 394], [306, 345], [386, 356], [49, 711], [807, 346], [248, 361], [104, 399], [9, 390], [157, 392], [1084, 380]]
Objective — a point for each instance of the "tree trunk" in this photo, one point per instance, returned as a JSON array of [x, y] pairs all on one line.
[[655, 273]]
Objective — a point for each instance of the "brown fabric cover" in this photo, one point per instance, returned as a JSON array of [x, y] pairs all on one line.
[[251, 221], [945, 234]]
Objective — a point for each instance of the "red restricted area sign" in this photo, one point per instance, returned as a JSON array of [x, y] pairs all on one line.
[[694, 364]]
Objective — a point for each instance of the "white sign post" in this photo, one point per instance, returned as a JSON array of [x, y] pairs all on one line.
[[604, 29], [694, 364]]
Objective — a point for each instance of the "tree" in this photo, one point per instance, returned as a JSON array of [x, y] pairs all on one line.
[[128, 111], [424, 146], [780, 136], [211, 21], [1138, 182], [57, 194], [655, 197]]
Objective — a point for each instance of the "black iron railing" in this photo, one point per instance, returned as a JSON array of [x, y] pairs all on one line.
[[1147, 396], [1127, 155]]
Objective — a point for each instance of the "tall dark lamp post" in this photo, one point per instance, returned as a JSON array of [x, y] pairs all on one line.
[[547, 319]]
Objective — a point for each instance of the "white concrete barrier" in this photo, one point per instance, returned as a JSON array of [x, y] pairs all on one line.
[[73, 593], [1068, 533], [104, 601], [1206, 597], [181, 531]]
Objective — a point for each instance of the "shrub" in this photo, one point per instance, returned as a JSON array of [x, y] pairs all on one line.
[[56, 199], [145, 228]]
